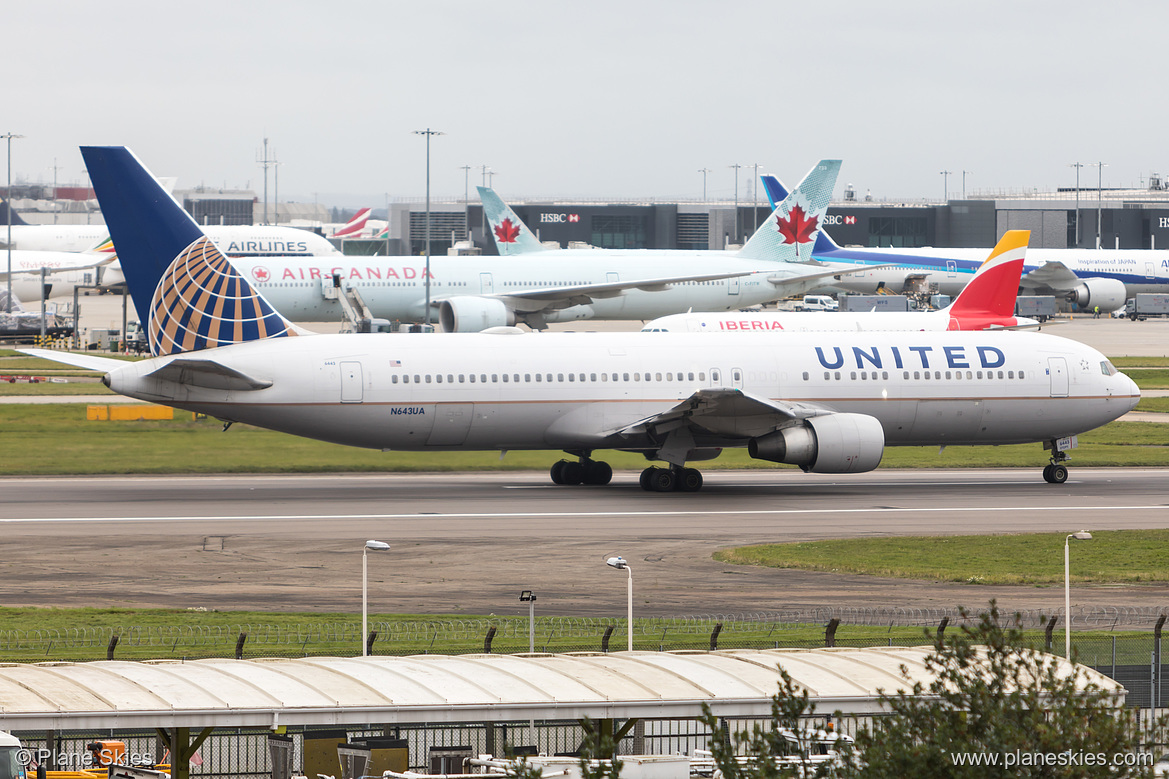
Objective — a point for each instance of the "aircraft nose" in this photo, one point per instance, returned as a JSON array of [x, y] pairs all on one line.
[[1131, 388]]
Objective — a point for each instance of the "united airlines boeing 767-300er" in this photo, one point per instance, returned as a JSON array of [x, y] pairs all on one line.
[[826, 402]]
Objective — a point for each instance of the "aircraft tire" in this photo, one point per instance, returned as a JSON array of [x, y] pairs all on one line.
[[599, 473], [689, 480], [1059, 474], [645, 477], [573, 473], [663, 480], [557, 471]]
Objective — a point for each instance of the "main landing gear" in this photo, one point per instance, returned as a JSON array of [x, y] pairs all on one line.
[[1057, 472], [584, 471], [669, 479]]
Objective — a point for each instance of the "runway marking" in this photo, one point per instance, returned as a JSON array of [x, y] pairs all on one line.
[[586, 514]]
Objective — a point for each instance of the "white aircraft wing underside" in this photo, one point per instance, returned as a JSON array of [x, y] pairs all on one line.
[[1051, 275], [87, 361], [729, 412]]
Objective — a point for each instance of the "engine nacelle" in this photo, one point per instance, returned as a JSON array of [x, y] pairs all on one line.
[[471, 315], [833, 443], [1109, 294]]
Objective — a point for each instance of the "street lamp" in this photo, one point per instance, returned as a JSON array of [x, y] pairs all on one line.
[[1099, 166], [946, 185], [427, 132], [704, 171], [8, 210], [619, 562], [1083, 535], [736, 166], [377, 546], [530, 598]]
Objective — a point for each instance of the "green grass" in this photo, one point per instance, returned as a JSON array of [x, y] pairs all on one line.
[[73, 387], [57, 439], [1112, 557], [1140, 362], [1149, 378], [1153, 404]]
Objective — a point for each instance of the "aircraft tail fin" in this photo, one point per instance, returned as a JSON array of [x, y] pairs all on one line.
[[790, 233], [186, 292], [8, 212], [512, 236], [776, 191], [354, 226], [995, 287]]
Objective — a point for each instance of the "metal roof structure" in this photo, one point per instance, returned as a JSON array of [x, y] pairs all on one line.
[[225, 693]]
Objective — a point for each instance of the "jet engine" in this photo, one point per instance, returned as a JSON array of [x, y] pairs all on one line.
[[472, 314], [1109, 294], [834, 443]]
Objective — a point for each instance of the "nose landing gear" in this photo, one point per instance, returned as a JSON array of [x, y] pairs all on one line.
[[1056, 472]]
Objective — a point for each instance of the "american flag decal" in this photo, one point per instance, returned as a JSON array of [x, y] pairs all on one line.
[[202, 302]]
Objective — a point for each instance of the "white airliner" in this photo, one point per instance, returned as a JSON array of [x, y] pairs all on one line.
[[1089, 278], [986, 303], [827, 402], [65, 270], [476, 293]]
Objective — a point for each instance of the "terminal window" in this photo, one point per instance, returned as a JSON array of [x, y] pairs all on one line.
[[898, 231], [619, 232]]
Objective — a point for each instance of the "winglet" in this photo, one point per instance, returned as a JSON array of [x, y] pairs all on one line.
[[993, 291], [511, 235], [789, 234], [183, 287]]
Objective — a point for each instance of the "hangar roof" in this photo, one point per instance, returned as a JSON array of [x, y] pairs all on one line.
[[441, 688]]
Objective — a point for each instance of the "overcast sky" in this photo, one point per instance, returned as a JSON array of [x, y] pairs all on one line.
[[591, 98]]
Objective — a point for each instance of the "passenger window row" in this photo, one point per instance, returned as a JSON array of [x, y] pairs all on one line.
[[917, 375], [544, 378]]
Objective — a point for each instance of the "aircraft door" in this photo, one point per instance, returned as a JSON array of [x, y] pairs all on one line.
[[733, 286], [451, 423], [485, 285], [612, 278], [352, 390], [951, 269], [1057, 369], [1150, 270]]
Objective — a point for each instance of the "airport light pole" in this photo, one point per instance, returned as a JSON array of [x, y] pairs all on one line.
[[1083, 535], [1100, 166], [619, 563], [736, 166], [467, 201], [529, 597], [964, 182], [755, 199], [428, 133], [1077, 166], [704, 171], [946, 185], [377, 546], [8, 209]]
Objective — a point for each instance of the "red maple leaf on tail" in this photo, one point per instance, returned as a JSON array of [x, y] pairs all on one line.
[[797, 228], [507, 232]]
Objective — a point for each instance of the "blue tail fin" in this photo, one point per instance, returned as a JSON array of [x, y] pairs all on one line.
[[776, 191], [8, 212], [187, 294]]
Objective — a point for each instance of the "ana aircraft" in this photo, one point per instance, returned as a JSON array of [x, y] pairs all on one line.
[[1086, 277], [475, 293], [828, 403], [986, 303]]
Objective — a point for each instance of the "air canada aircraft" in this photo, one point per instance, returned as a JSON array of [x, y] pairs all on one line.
[[826, 402], [986, 303], [1086, 277], [471, 294]]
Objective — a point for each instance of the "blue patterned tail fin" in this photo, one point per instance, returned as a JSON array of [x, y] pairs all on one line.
[[187, 294]]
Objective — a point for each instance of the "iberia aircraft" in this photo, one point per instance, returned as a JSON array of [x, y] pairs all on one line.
[[986, 303], [827, 402], [470, 294]]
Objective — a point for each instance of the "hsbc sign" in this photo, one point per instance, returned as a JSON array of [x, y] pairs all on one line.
[[559, 218], [836, 219]]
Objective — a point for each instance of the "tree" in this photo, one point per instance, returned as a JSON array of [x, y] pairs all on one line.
[[994, 695]]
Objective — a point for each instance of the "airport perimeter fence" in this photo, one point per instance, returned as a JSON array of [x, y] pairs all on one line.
[[1124, 643]]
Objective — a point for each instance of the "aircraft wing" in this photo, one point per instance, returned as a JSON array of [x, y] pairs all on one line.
[[1052, 275], [209, 374], [839, 270], [87, 361], [105, 259], [540, 298], [728, 411]]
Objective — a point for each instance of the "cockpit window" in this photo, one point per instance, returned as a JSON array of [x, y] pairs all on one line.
[[1108, 369]]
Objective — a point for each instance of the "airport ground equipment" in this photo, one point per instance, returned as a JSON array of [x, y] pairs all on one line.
[[1147, 304]]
